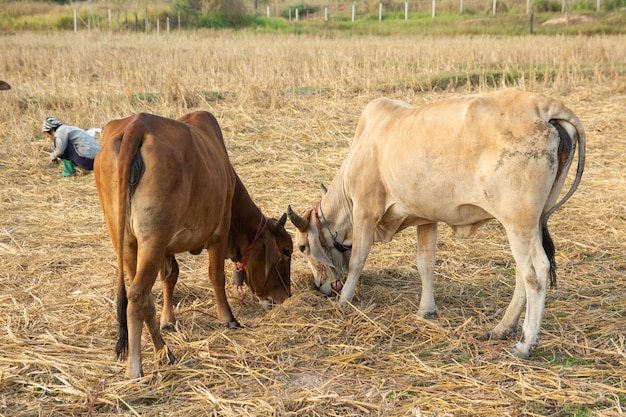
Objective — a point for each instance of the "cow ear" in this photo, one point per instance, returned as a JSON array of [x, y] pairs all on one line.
[[324, 189]]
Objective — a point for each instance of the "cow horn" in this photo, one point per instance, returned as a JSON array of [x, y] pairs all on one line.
[[298, 221], [280, 223]]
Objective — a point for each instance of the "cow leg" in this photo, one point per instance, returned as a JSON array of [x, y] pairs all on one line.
[[136, 314], [169, 277], [160, 348], [130, 266], [534, 268], [425, 260], [141, 310], [508, 326], [217, 254], [362, 241]]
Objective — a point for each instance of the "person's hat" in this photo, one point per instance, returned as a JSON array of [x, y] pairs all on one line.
[[50, 124]]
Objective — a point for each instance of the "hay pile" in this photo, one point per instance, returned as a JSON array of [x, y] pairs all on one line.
[[288, 113]]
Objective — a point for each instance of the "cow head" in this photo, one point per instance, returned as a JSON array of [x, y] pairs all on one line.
[[328, 257], [268, 270]]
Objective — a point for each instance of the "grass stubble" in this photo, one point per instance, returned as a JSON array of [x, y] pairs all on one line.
[[288, 107]]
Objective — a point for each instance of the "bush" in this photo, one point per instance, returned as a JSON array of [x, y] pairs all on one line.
[[64, 22], [581, 6], [270, 23], [212, 13], [303, 10], [215, 20], [542, 6], [220, 20], [615, 4]]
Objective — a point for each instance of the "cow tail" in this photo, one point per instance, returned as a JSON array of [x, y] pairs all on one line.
[[129, 170], [566, 147]]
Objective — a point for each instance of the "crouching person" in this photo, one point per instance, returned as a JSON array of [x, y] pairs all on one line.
[[72, 145]]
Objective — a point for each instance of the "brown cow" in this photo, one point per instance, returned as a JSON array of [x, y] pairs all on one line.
[[4, 85], [165, 187]]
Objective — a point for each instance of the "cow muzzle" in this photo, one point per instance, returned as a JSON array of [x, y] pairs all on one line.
[[326, 279], [331, 288]]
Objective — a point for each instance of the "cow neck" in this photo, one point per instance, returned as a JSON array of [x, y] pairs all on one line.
[[241, 265], [323, 223], [337, 208], [246, 225]]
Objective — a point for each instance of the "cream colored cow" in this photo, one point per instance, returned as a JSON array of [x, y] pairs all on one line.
[[461, 161]]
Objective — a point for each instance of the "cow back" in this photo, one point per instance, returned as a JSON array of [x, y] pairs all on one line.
[[186, 188]]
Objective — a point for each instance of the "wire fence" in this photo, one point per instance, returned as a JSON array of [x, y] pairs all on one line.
[[147, 21]]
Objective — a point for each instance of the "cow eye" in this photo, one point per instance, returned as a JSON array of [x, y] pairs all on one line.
[[286, 252], [302, 248]]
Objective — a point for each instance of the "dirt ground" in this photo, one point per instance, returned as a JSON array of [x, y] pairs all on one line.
[[307, 356]]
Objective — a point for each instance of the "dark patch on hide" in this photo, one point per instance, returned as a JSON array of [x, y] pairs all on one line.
[[137, 168], [565, 146]]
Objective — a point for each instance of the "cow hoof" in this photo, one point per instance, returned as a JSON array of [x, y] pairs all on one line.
[[168, 327], [491, 335], [501, 335], [133, 374], [166, 356], [339, 302], [232, 325], [429, 315], [520, 352]]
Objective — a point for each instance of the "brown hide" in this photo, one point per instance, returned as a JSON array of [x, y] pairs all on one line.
[[167, 186]]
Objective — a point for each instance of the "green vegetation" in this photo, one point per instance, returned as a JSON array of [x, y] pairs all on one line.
[[316, 16]]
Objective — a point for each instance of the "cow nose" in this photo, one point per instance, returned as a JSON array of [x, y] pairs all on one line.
[[337, 286]]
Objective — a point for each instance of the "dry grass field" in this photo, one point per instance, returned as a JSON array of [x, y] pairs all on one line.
[[288, 106]]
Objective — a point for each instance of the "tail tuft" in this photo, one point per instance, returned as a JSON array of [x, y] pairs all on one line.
[[548, 247]]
